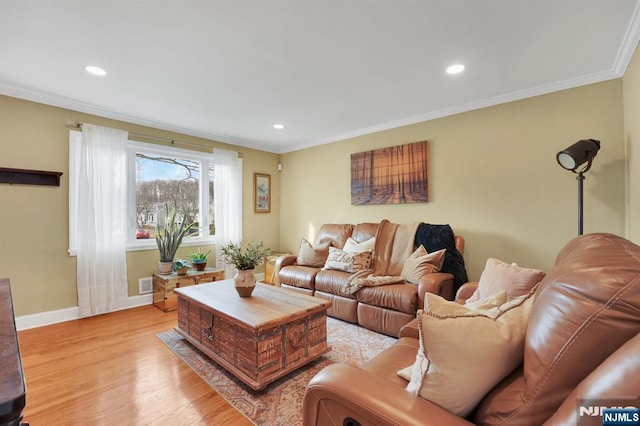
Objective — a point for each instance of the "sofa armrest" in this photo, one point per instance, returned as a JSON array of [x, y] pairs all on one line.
[[340, 392], [440, 283], [281, 262], [465, 291], [410, 329]]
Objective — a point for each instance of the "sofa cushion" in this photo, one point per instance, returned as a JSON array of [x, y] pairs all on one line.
[[498, 275], [465, 352], [421, 263], [340, 260], [331, 281], [333, 233], [312, 256], [399, 297], [298, 276], [364, 231]]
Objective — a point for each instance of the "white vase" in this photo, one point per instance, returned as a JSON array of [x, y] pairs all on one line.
[[245, 282]]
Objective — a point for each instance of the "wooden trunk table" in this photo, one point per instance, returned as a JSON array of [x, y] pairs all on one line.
[[258, 339]]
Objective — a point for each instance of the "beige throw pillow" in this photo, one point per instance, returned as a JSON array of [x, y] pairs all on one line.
[[312, 256], [421, 263], [498, 275], [341, 260], [352, 246], [465, 352]]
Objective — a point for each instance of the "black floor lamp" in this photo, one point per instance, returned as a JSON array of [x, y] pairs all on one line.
[[575, 156]]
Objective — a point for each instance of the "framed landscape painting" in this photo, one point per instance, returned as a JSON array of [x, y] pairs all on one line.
[[393, 175], [262, 193]]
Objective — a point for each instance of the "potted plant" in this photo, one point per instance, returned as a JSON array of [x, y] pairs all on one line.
[[180, 266], [245, 262], [169, 236], [199, 259]]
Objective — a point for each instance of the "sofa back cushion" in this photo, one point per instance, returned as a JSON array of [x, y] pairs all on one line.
[[586, 308], [333, 233], [364, 231]]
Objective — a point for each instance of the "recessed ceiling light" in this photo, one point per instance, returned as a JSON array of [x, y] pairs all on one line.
[[278, 126], [455, 69], [95, 70]]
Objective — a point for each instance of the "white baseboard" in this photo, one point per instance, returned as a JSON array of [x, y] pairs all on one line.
[[40, 319]]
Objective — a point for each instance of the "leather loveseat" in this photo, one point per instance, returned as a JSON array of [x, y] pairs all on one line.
[[580, 350], [384, 308]]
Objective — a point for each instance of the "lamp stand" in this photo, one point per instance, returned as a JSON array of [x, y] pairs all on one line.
[[580, 179]]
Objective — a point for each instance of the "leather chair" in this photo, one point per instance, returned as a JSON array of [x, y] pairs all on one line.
[[582, 342]]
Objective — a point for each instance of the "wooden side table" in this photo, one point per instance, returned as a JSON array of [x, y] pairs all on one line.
[[269, 268], [163, 285]]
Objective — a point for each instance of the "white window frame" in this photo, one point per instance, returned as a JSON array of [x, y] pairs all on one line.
[[133, 244]]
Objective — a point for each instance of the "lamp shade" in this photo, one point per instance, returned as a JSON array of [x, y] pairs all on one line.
[[577, 154]]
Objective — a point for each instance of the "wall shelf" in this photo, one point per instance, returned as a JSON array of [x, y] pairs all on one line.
[[29, 177]]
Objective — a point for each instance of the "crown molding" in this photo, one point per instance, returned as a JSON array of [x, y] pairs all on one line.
[[496, 100], [75, 105], [628, 47]]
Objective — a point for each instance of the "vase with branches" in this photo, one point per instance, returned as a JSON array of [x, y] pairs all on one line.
[[245, 262]]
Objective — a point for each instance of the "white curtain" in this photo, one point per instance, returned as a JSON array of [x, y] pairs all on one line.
[[102, 220], [227, 186]]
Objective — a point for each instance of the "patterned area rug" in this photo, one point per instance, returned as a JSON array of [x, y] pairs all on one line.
[[281, 402]]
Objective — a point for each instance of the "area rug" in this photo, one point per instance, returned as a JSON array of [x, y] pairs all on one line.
[[281, 402]]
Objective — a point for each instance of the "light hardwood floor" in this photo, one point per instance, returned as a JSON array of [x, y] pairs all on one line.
[[112, 370]]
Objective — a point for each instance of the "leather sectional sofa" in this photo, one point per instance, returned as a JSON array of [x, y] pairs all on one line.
[[581, 346], [384, 308]]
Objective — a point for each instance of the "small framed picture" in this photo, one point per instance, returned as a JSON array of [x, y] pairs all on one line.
[[262, 193]]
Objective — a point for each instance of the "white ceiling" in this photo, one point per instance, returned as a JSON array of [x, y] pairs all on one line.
[[326, 69]]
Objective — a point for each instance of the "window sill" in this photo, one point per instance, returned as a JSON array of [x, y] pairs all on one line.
[[142, 245]]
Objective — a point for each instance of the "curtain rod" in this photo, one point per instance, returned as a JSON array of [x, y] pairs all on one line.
[[70, 124]]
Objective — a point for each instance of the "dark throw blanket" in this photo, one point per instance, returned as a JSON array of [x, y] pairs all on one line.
[[437, 237]]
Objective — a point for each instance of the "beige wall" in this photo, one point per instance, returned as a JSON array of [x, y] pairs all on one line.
[[492, 176], [631, 91], [34, 219]]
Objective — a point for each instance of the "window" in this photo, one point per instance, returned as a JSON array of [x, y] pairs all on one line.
[[158, 176]]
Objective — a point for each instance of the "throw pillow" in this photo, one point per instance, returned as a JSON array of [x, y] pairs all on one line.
[[341, 260], [353, 247], [312, 256], [421, 263], [463, 354], [498, 275]]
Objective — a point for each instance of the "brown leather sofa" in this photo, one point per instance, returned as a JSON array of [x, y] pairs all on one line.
[[582, 342], [384, 309]]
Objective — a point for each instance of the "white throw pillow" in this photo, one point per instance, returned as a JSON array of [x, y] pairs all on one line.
[[353, 247], [465, 352]]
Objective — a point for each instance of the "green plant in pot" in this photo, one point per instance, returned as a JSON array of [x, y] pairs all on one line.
[[245, 262], [169, 236], [180, 266], [199, 259]]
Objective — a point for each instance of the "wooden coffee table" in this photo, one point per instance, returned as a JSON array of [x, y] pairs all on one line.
[[258, 339]]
